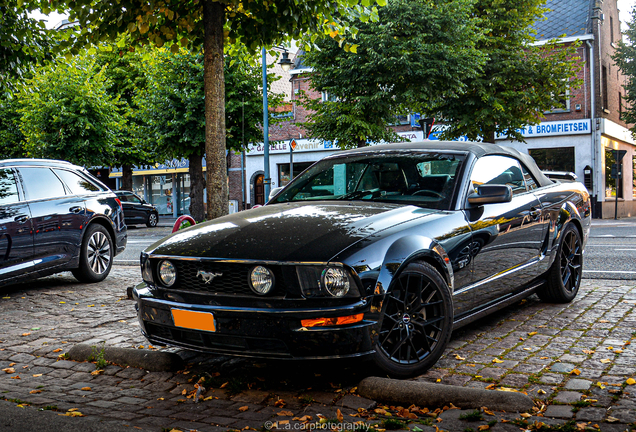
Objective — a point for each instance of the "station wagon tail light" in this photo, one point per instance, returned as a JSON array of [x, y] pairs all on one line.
[[325, 322], [167, 273]]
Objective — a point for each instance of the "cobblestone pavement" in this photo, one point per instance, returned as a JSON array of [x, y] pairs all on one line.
[[575, 360]]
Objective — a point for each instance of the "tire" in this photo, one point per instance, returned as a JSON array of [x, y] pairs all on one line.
[[564, 276], [96, 256], [416, 322], [153, 219]]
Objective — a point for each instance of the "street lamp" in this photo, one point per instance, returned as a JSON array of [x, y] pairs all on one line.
[[286, 64]]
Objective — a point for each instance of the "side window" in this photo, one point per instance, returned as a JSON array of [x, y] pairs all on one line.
[[76, 183], [134, 199], [530, 183], [41, 183], [8, 187], [501, 170]]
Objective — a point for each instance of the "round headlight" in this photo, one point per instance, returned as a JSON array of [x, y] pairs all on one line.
[[335, 281], [167, 273], [261, 280]]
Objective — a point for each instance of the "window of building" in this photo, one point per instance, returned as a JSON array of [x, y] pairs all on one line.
[[611, 183], [554, 159], [563, 102], [620, 103], [611, 29], [326, 96], [283, 171], [604, 87]]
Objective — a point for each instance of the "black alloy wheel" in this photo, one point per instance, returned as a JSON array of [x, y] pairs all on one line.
[[564, 277], [416, 323]]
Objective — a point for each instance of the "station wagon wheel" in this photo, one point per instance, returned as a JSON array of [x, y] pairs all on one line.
[[416, 322], [153, 218], [564, 276], [96, 256]]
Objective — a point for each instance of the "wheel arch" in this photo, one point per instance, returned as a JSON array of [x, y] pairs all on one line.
[[408, 249], [568, 214], [105, 223]]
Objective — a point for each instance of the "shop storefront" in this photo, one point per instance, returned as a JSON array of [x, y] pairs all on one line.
[[167, 186]]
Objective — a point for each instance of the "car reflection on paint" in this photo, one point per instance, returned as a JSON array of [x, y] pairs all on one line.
[[380, 251]]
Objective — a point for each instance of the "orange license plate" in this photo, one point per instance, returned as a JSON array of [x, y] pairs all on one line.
[[193, 320]]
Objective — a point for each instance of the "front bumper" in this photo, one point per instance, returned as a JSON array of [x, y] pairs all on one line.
[[257, 331]]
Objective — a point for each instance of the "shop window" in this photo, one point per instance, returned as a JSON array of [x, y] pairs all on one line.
[[611, 183], [604, 87], [554, 159], [283, 171]]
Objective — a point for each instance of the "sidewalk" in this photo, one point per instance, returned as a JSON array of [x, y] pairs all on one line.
[[575, 360]]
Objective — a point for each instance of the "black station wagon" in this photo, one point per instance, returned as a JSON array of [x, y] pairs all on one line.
[[55, 216], [380, 251]]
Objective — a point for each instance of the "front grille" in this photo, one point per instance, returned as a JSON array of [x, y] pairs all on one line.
[[216, 341], [232, 279]]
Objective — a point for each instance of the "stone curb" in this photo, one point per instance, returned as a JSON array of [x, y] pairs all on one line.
[[153, 361], [438, 395]]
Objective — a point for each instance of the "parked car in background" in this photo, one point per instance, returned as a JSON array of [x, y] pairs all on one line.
[[137, 210], [379, 251], [55, 216]]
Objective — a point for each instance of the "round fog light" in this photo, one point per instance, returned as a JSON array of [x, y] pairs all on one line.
[[335, 281], [261, 280], [167, 273]]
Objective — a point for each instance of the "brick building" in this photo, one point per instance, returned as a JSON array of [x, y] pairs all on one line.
[[578, 138]]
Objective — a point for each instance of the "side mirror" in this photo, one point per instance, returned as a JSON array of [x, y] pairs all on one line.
[[491, 194], [274, 192]]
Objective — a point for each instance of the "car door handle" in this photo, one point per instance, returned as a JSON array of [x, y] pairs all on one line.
[[21, 218], [76, 209], [534, 213]]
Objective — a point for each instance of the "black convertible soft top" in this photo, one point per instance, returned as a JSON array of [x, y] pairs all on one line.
[[477, 149]]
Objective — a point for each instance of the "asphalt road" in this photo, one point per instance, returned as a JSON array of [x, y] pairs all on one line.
[[611, 250]]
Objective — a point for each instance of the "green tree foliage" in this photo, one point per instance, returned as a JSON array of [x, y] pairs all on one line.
[[68, 114], [418, 51], [12, 140], [625, 58], [24, 41], [172, 110], [124, 69], [518, 80], [207, 24]]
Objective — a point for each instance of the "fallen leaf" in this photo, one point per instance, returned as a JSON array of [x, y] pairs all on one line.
[[25, 334], [35, 391], [438, 380], [506, 389], [339, 416], [611, 419], [8, 370], [224, 384], [57, 350], [525, 415], [458, 357], [244, 408], [527, 349], [575, 372], [12, 364], [541, 391], [285, 413], [618, 351], [16, 377], [184, 391], [37, 375], [486, 411], [490, 387], [603, 321], [86, 389], [630, 381], [586, 351], [544, 358], [497, 361], [599, 385], [97, 372], [283, 422], [532, 333], [581, 426], [605, 361], [280, 403]]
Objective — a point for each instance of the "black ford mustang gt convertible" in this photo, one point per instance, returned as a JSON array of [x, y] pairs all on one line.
[[380, 251]]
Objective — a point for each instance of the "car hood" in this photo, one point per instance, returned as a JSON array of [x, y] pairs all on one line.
[[287, 232]]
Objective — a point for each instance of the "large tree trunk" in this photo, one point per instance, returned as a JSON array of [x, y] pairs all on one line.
[[197, 183], [126, 177], [214, 18]]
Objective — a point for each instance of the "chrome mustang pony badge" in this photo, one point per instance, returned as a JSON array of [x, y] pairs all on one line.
[[207, 276]]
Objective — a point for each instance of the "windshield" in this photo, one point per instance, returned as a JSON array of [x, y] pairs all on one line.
[[426, 179]]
